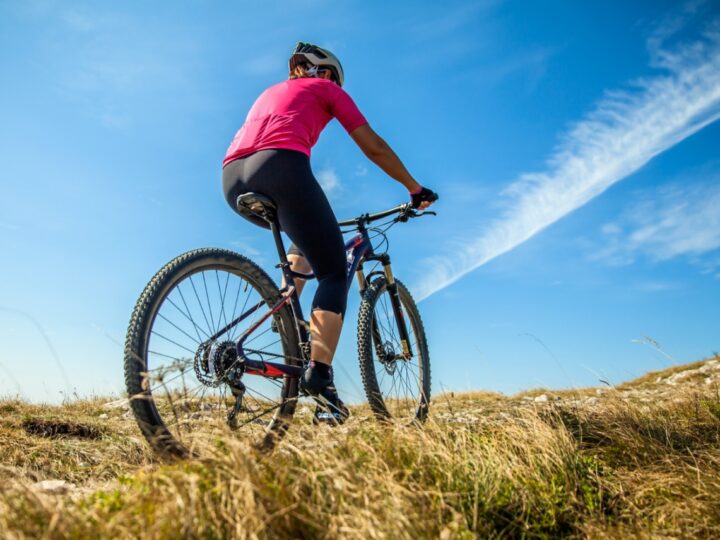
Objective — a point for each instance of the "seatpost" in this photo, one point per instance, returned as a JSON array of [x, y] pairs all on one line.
[[284, 263], [278, 241], [284, 266]]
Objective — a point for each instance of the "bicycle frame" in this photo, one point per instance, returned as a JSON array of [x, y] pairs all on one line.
[[357, 251]]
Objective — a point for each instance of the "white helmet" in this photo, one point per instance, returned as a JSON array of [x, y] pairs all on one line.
[[306, 53]]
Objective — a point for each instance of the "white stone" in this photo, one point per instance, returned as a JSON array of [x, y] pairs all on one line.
[[54, 487], [541, 398], [117, 404]]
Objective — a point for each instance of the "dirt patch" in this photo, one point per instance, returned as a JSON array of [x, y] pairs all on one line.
[[55, 429]]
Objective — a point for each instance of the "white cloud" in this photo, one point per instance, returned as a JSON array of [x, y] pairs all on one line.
[[112, 65], [624, 131], [676, 221], [657, 286], [530, 64], [328, 179]]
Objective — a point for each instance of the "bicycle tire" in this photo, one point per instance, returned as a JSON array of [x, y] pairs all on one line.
[[373, 344], [139, 359]]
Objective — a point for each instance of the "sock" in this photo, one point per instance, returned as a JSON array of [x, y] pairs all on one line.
[[321, 368]]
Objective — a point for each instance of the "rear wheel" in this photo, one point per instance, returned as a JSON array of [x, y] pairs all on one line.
[[182, 372], [397, 385]]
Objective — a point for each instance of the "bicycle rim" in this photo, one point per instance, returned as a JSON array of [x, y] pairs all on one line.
[[178, 360], [397, 387]]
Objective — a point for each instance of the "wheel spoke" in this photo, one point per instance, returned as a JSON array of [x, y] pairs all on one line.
[[198, 329], [178, 328], [247, 298], [154, 333], [197, 297], [400, 380], [209, 304], [198, 294], [222, 298]]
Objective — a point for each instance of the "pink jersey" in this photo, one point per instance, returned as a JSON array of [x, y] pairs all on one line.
[[291, 115]]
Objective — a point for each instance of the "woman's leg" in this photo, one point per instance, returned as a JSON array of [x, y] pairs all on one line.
[[318, 237], [298, 263], [306, 217], [325, 326]]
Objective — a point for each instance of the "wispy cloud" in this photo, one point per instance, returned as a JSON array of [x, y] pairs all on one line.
[[625, 130], [530, 64], [113, 63], [329, 180], [675, 221], [450, 19]]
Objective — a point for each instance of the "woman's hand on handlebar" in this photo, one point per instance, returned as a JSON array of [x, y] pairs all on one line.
[[422, 198]]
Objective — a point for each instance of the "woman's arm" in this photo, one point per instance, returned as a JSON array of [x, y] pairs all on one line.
[[380, 153]]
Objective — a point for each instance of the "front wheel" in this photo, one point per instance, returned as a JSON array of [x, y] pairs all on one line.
[[397, 384]]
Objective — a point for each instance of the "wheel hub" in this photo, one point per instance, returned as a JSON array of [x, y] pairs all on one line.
[[216, 363], [388, 358]]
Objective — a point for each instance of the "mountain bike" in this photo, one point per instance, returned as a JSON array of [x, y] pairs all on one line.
[[215, 346]]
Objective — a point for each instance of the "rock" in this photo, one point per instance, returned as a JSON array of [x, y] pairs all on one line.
[[709, 366], [541, 398], [592, 401], [54, 487], [117, 404], [103, 416], [682, 375], [599, 391]]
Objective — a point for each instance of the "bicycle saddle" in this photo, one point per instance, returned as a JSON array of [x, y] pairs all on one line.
[[257, 208]]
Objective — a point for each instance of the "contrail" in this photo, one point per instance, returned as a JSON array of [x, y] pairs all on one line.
[[624, 131]]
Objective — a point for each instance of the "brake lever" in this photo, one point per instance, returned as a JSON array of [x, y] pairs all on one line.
[[411, 212]]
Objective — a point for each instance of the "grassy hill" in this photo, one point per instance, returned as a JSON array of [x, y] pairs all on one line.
[[638, 460]]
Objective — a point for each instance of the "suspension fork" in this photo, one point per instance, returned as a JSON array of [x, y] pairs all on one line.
[[396, 306], [376, 336]]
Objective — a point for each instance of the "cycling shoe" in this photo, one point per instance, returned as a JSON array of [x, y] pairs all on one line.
[[330, 408]]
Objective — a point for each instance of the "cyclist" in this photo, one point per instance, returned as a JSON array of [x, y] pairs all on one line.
[[270, 155]]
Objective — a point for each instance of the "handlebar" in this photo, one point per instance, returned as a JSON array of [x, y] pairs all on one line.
[[405, 211]]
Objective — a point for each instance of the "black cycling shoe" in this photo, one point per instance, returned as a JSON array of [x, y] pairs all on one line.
[[330, 408], [335, 417]]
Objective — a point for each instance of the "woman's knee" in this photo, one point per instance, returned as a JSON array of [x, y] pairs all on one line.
[[331, 293]]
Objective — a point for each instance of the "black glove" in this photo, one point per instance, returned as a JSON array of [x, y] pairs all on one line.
[[423, 195]]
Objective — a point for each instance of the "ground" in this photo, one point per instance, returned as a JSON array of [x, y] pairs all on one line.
[[638, 460]]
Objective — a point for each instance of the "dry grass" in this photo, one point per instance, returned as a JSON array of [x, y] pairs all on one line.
[[617, 465]]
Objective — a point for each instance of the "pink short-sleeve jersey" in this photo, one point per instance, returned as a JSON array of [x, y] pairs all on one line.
[[290, 115]]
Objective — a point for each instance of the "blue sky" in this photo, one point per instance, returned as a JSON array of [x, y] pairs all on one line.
[[574, 145]]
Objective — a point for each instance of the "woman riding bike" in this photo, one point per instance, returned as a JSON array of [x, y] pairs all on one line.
[[270, 155]]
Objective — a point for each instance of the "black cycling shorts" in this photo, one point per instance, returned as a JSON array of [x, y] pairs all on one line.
[[304, 214]]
